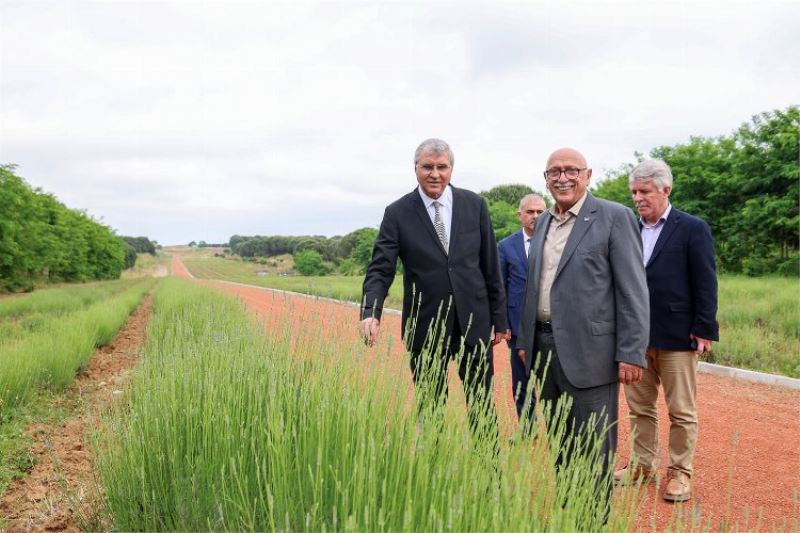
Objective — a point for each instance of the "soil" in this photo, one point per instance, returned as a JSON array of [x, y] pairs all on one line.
[[61, 492], [747, 460]]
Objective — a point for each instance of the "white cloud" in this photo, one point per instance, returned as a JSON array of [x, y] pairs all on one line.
[[195, 120]]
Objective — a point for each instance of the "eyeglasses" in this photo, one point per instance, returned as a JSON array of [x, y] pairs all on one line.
[[555, 173], [428, 169]]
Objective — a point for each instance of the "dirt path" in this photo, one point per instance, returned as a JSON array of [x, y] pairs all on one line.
[[60, 493], [748, 455]]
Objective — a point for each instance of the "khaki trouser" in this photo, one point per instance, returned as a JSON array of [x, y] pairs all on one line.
[[677, 372]]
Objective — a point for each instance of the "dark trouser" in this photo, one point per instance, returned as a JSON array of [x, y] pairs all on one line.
[[476, 372], [597, 406], [519, 386]]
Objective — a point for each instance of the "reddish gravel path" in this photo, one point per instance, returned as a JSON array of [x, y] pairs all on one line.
[[748, 455]]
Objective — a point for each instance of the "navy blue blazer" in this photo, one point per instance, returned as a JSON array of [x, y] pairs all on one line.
[[514, 269], [682, 280]]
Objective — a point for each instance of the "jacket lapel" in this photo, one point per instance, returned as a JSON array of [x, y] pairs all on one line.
[[535, 254], [584, 219], [670, 225], [425, 219], [455, 223], [519, 246]]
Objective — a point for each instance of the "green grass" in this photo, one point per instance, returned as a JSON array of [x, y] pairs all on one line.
[[759, 317], [45, 337], [346, 288], [226, 428], [148, 265], [60, 299], [51, 334], [759, 324]]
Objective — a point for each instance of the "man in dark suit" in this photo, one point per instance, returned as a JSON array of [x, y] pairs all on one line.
[[586, 307], [453, 297], [678, 253], [514, 268]]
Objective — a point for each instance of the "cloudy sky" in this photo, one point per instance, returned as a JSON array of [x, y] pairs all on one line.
[[197, 120]]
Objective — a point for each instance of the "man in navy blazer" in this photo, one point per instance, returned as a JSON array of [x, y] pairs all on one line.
[[453, 294], [514, 268], [678, 254]]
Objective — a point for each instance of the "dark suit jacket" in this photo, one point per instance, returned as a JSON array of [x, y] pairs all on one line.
[[514, 269], [682, 279], [599, 305], [470, 274]]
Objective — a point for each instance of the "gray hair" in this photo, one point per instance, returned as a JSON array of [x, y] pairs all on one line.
[[652, 169], [528, 197], [435, 146]]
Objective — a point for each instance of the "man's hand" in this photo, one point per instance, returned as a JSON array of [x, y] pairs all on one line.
[[521, 355], [500, 336], [369, 330], [629, 373], [703, 345]]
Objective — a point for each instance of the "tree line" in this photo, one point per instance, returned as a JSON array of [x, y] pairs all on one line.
[[745, 185], [314, 255], [135, 246], [42, 240]]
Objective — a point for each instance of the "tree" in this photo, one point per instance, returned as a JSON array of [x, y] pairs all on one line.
[[130, 256], [504, 219], [41, 240], [744, 185], [615, 186], [510, 193], [142, 245], [309, 263]]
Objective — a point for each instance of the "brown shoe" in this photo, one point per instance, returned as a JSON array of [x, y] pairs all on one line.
[[679, 487], [630, 476]]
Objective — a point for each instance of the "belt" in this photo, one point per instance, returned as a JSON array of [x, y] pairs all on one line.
[[544, 327]]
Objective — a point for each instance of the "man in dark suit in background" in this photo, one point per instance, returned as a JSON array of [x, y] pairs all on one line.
[[514, 268], [451, 278], [678, 253], [586, 306]]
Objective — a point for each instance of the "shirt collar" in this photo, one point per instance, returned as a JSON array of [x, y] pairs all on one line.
[[574, 210], [662, 219], [446, 199]]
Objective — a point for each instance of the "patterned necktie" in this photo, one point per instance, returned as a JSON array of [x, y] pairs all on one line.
[[438, 225]]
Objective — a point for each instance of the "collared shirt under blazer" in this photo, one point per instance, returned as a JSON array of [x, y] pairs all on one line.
[[599, 301]]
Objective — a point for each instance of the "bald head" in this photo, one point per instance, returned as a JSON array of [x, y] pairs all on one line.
[[566, 153]]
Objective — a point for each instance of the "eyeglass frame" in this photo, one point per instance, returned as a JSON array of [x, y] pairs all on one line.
[[433, 167], [564, 172]]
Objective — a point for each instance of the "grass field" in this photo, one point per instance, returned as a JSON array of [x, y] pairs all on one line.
[[339, 287], [49, 334], [45, 338], [759, 317], [148, 265], [228, 428]]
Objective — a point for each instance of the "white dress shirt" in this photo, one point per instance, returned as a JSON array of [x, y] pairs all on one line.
[[527, 241], [446, 209], [650, 234]]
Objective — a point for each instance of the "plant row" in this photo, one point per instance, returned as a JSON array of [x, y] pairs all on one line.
[[56, 332], [228, 428]]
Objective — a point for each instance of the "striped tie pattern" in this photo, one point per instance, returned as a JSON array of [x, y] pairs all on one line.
[[438, 225]]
